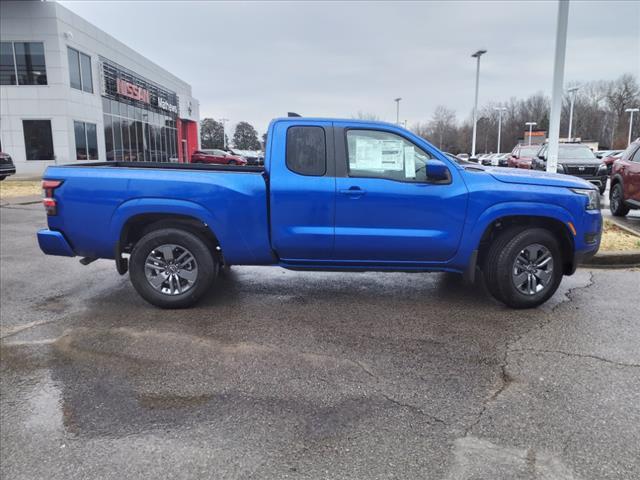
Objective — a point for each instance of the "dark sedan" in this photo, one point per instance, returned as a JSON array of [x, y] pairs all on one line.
[[6, 166]]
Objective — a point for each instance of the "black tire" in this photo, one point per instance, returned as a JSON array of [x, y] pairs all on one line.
[[500, 264], [2, 177], [603, 188], [207, 266], [491, 258], [232, 162], [616, 201]]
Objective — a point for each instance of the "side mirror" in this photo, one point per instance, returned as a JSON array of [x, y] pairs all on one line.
[[541, 157], [438, 172]]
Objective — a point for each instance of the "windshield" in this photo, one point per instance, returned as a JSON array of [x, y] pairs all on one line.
[[576, 152], [529, 151]]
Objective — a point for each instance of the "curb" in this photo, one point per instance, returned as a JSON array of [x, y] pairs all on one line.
[[624, 259]]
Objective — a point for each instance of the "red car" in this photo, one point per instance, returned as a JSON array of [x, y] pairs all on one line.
[[216, 156], [609, 159], [522, 156], [625, 181]]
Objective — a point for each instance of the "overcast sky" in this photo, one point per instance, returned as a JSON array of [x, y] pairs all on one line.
[[257, 60]]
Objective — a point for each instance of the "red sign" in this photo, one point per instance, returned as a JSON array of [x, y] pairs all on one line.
[[132, 91]]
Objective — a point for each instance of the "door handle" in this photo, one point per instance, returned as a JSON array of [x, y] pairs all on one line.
[[353, 191]]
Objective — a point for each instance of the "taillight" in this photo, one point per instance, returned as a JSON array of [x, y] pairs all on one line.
[[49, 201]]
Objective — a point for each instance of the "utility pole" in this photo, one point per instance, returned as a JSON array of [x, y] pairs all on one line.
[[397, 100], [530, 125], [500, 110], [631, 111], [224, 135], [572, 90], [477, 56], [558, 80]]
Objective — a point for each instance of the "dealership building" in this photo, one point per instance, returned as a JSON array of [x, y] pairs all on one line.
[[70, 92]]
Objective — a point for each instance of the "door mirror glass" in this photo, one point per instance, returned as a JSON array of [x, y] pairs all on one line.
[[437, 172]]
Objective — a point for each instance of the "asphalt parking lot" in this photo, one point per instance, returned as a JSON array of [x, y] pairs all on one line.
[[281, 374]]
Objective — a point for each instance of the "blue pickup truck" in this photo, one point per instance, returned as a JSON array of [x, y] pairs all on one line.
[[332, 195]]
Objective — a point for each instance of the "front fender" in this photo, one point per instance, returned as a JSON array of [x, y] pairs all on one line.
[[473, 233]]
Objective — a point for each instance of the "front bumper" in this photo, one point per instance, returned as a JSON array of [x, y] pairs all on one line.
[[7, 170], [54, 243]]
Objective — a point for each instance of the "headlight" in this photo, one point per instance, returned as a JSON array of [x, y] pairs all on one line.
[[593, 197]]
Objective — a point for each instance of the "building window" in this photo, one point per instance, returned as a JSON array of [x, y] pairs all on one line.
[[86, 141], [22, 63], [80, 75], [38, 141]]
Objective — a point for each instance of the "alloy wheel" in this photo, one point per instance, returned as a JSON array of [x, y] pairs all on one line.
[[171, 269], [532, 270]]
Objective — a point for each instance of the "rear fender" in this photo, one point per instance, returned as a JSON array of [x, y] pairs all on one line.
[[231, 242]]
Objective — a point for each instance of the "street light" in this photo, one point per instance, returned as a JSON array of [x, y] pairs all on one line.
[[500, 110], [631, 111], [477, 56], [397, 100], [530, 125], [573, 99], [224, 136]]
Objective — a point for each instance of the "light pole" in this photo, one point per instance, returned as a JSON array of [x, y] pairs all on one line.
[[500, 110], [530, 125], [572, 90], [631, 112], [397, 100], [558, 82], [477, 56], [224, 136]]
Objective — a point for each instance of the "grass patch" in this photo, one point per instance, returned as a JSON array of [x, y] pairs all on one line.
[[20, 188], [617, 239]]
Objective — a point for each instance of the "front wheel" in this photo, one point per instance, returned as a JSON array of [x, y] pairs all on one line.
[[526, 269], [616, 202], [2, 177], [172, 268]]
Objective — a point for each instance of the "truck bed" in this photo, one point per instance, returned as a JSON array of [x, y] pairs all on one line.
[[97, 199]]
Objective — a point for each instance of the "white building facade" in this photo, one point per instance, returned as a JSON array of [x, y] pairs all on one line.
[[70, 92]]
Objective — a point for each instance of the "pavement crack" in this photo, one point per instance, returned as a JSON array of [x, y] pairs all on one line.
[[365, 369], [571, 291], [415, 409], [578, 355]]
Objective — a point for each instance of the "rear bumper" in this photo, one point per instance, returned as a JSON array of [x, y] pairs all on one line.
[[7, 170], [54, 243]]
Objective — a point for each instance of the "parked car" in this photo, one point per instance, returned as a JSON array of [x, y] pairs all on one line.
[[382, 199], [501, 160], [609, 159], [625, 181], [215, 156], [253, 157], [607, 153], [576, 159], [522, 156], [6, 166]]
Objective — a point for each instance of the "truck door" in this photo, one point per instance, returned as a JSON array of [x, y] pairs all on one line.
[[388, 208], [302, 190]]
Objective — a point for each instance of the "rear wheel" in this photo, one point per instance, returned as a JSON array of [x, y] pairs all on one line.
[[172, 268], [616, 202], [232, 162], [525, 270]]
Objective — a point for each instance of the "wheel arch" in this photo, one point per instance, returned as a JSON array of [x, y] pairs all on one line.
[[557, 227]]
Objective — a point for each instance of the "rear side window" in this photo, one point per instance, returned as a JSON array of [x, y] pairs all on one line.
[[306, 150]]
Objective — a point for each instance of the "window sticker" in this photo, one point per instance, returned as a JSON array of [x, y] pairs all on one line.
[[392, 155], [375, 154], [409, 162]]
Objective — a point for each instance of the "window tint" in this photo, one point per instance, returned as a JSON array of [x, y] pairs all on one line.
[[385, 155], [86, 141], [85, 69], [81, 141], [306, 150], [80, 76], [22, 63], [30, 64], [74, 68], [37, 139], [7, 65]]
